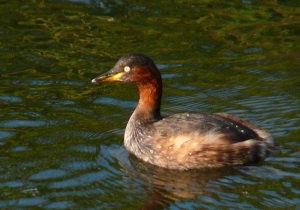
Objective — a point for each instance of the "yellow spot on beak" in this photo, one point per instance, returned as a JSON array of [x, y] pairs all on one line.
[[108, 78], [115, 77]]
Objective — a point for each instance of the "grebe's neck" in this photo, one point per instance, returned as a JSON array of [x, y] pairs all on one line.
[[148, 108]]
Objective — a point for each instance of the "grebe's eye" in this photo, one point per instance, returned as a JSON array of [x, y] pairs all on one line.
[[127, 69]]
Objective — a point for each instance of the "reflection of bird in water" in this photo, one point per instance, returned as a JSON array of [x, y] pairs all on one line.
[[163, 186], [187, 140]]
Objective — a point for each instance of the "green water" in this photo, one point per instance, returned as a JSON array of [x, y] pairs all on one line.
[[61, 137]]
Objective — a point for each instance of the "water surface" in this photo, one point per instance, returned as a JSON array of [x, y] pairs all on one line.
[[61, 137]]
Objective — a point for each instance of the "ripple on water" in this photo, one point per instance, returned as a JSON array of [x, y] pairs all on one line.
[[20, 149], [181, 86], [60, 205], [265, 172], [188, 103], [84, 172], [274, 104], [10, 99], [84, 148], [22, 123], [272, 198], [59, 102], [23, 202], [48, 174], [167, 66], [11, 184], [53, 82], [81, 180], [252, 50], [224, 92], [31, 123], [6, 135], [170, 76], [79, 165], [274, 109], [115, 102], [240, 180]]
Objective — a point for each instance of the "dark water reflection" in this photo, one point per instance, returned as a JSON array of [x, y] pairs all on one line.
[[165, 187], [61, 137]]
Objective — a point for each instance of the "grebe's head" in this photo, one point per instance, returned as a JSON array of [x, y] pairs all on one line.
[[135, 68]]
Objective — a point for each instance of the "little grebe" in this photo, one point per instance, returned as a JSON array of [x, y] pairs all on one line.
[[186, 140]]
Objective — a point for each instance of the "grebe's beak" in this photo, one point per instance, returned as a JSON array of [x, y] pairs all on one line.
[[110, 76]]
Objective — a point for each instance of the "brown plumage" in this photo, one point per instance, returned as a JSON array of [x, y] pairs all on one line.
[[186, 140]]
